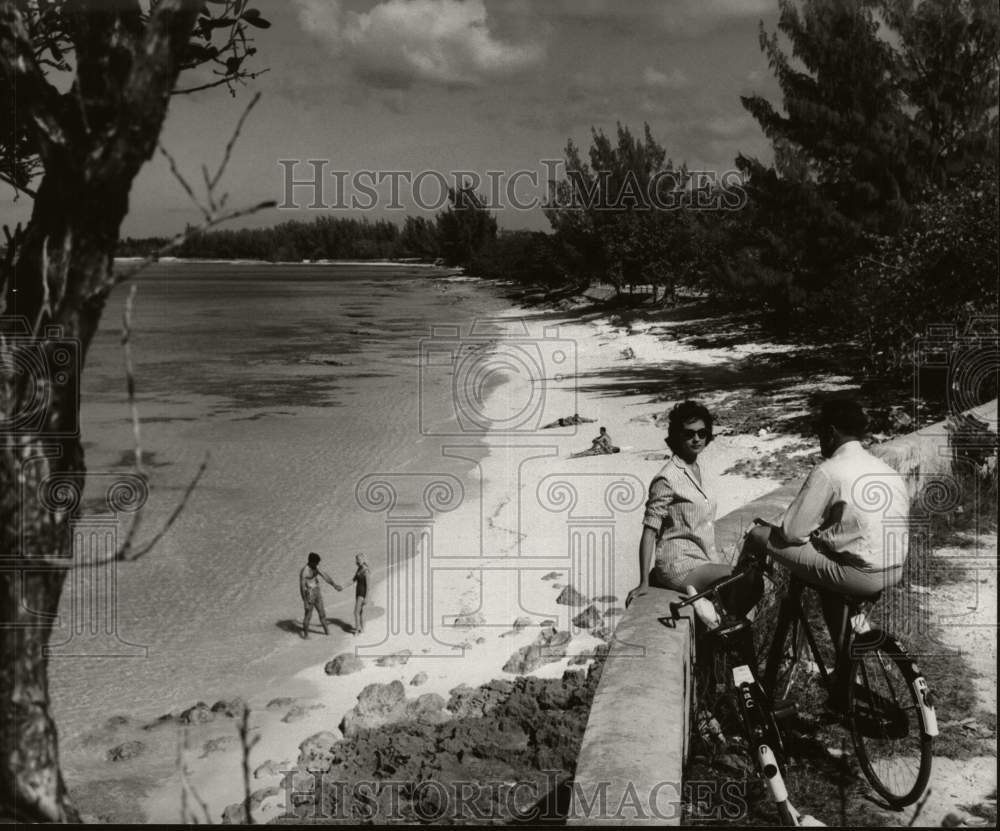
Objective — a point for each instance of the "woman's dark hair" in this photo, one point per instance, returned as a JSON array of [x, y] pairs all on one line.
[[313, 558], [846, 414], [684, 413]]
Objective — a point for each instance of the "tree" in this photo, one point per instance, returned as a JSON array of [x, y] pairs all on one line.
[[946, 63], [620, 217], [464, 227], [881, 99], [121, 60], [419, 238]]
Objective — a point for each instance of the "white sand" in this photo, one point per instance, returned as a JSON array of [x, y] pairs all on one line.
[[514, 529]]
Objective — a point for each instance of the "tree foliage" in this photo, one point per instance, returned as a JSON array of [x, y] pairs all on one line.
[[617, 216], [85, 85], [464, 227], [885, 104]]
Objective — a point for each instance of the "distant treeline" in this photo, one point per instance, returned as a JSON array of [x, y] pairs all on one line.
[[877, 219]]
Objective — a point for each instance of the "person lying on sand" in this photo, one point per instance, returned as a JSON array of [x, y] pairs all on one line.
[[599, 446], [569, 421], [312, 598]]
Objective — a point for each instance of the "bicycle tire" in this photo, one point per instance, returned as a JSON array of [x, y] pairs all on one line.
[[885, 721]]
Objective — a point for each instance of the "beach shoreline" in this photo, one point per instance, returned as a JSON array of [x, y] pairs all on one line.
[[512, 520]]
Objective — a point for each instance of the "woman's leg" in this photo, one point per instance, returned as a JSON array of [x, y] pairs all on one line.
[[703, 576], [362, 602]]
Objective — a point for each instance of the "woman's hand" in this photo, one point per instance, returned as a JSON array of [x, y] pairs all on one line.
[[638, 591]]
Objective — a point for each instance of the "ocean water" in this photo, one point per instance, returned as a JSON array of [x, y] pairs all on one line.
[[295, 383]]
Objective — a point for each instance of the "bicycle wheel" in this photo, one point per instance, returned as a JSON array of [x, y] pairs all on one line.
[[884, 718]]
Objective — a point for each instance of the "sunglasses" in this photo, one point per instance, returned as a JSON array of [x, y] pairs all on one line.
[[690, 434]]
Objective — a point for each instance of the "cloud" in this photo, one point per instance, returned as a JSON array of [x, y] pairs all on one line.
[[675, 79], [678, 17], [399, 43], [698, 17]]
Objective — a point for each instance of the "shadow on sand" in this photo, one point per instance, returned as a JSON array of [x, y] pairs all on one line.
[[294, 627]]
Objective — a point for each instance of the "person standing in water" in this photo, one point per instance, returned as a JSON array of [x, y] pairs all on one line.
[[312, 598], [360, 581]]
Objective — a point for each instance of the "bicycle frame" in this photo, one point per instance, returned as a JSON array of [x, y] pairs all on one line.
[[753, 706], [791, 616]]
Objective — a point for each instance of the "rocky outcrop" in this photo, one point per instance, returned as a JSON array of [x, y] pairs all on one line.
[[344, 664], [377, 704], [466, 701], [588, 618], [469, 620], [125, 751], [233, 708], [571, 597], [217, 744], [419, 679], [316, 752], [504, 731], [270, 768], [548, 647], [396, 659], [380, 704], [198, 714], [299, 712]]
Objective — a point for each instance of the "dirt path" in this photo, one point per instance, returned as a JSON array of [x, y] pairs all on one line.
[[965, 615]]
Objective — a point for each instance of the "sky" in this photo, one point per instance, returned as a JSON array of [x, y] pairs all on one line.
[[444, 86]]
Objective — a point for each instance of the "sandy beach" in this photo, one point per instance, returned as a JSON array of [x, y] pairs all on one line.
[[499, 548], [477, 549]]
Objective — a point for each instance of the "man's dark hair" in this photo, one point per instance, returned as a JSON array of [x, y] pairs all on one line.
[[846, 414], [313, 558], [685, 412]]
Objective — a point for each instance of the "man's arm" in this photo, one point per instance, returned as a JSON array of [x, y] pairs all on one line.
[[326, 577], [805, 514]]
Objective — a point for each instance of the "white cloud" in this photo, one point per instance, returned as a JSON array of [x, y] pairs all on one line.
[[675, 79], [680, 17], [400, 42], [697, 17]]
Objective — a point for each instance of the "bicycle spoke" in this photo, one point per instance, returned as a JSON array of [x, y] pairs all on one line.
[[885, 722]]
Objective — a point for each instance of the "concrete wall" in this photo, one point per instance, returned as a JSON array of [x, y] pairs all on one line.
[[630, 770]]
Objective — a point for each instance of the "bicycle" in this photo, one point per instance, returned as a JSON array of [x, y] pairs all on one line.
[[878, 691]]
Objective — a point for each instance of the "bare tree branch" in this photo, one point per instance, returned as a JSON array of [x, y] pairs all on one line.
[[247, 744], [226, 79], [232, 142], [13, 183], [149, 546], [130, 375], [184, 183], [184, 236]]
